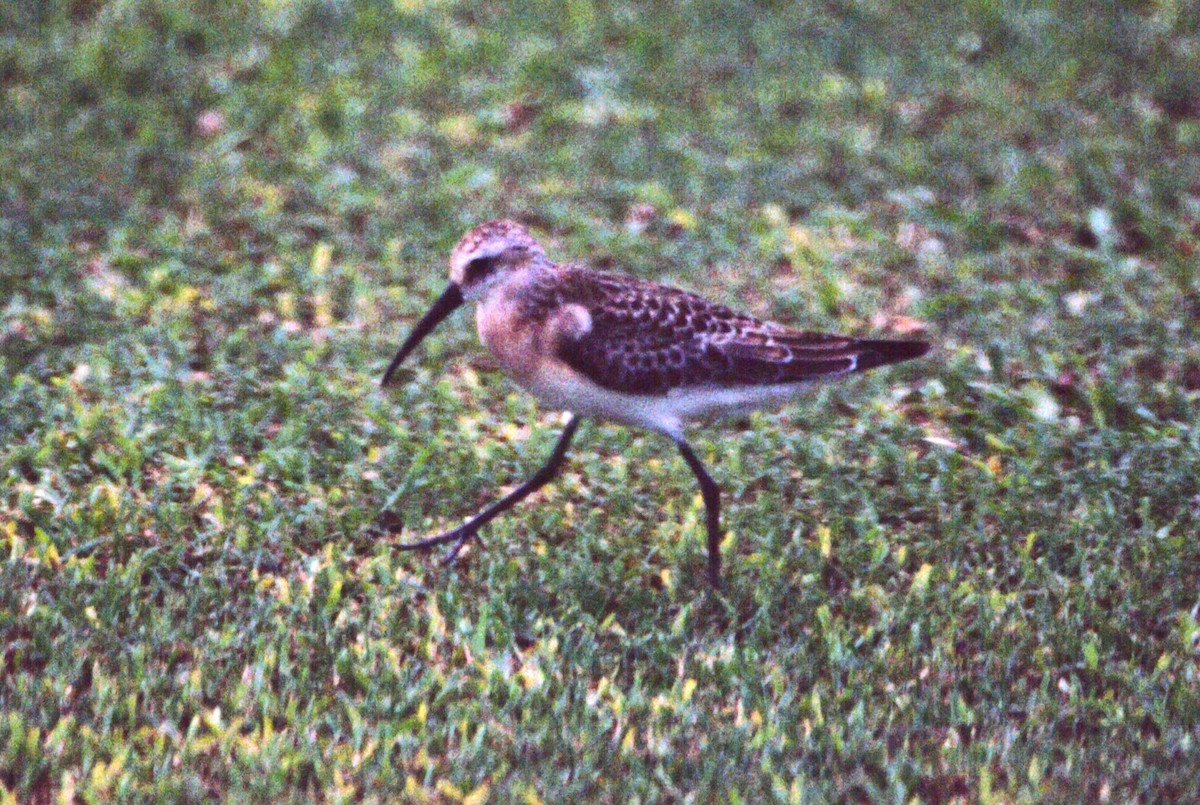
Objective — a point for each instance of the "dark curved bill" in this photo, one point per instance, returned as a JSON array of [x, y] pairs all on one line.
[[450, 299]]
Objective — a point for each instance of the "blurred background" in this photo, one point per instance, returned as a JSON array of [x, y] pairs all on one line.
[[862, 156], [972, 577]]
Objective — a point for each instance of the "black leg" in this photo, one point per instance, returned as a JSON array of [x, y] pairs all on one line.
[[469, 529], [712, 506]]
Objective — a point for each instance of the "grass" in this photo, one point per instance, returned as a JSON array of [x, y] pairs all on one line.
[[972, 578]]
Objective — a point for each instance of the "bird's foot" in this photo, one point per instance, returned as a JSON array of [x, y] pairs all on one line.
[[386, 525], [459, 536]]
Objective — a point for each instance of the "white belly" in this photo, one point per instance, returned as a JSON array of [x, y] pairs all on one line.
[[559, 386]]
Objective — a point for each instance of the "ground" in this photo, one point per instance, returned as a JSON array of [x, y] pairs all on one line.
[[968, 578]]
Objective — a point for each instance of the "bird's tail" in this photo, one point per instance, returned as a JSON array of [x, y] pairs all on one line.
[[881, 353]]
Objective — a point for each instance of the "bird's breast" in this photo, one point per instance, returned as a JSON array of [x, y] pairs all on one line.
[[508, 335], [525, 340]]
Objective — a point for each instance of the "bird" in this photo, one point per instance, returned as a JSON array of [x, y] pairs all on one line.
[[613, 347]]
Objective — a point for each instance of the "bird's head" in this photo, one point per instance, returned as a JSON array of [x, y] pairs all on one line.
[[488, 253], [483, 258]]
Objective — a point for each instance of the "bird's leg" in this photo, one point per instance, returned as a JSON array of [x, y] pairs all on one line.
[[459, 536], [712, 506]]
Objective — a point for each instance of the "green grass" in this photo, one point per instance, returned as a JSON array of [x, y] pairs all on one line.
[[969, 578]]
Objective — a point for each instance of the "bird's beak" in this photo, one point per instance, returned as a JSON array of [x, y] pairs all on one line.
[[450, 299]]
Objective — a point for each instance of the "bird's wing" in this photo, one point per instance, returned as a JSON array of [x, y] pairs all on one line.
[[650, 339]]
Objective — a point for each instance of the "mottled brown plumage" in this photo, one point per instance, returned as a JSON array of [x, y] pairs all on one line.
[[631, 351], [647, 338]]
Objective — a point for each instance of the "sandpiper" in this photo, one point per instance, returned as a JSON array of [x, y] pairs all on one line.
[[626, 350]]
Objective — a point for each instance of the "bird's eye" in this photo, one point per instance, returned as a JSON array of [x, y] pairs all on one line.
[[479, 268]]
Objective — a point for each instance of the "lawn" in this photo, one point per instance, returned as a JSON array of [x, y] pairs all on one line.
[[974, 577]]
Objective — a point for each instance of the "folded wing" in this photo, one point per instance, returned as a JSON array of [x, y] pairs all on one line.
[[649, 339]]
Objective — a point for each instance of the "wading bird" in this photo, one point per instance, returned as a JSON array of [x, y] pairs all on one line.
[[626, 350]]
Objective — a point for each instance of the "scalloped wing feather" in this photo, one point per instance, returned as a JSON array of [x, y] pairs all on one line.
[[651, 339]]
